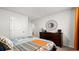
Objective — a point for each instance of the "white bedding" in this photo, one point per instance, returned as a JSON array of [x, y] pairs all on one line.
[[19, 41]]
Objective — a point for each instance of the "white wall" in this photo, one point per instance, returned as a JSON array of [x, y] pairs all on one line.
[[4, 24], [5, 19], [65, 20], [30, 28]]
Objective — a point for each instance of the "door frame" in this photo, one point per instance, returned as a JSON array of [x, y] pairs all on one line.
[[76, 28]]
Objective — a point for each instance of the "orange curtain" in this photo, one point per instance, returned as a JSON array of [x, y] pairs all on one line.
[[76, 43]]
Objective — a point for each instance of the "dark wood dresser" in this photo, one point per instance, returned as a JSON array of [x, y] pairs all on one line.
[[55, 37]]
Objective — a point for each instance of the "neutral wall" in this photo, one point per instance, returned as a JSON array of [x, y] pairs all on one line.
[[30, 28], [5, 22], [65, 20]]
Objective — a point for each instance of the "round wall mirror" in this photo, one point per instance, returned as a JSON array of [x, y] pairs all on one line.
[[51, 25]]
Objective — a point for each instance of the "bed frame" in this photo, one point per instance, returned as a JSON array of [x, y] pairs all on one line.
[[55, 37]]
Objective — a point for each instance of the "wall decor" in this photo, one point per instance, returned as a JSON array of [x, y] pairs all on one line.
[[51, 25]]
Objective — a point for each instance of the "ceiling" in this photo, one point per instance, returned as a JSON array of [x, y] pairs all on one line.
[[36, 12]]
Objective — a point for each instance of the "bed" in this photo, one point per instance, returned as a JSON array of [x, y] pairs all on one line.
[[27, 44], [33, 44], [50, 42]]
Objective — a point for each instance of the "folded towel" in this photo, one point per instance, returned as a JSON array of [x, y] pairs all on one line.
[[40, 42]]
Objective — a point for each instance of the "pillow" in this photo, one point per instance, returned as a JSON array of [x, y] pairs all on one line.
[[40, 42], [6, 43], [3, 47]]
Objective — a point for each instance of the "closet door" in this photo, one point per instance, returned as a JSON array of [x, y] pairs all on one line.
[[18, 27]]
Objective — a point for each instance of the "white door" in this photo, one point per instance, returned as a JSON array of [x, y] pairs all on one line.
[[18, 27]]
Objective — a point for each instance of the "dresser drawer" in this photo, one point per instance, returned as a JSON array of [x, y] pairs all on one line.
[[55, 37]]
